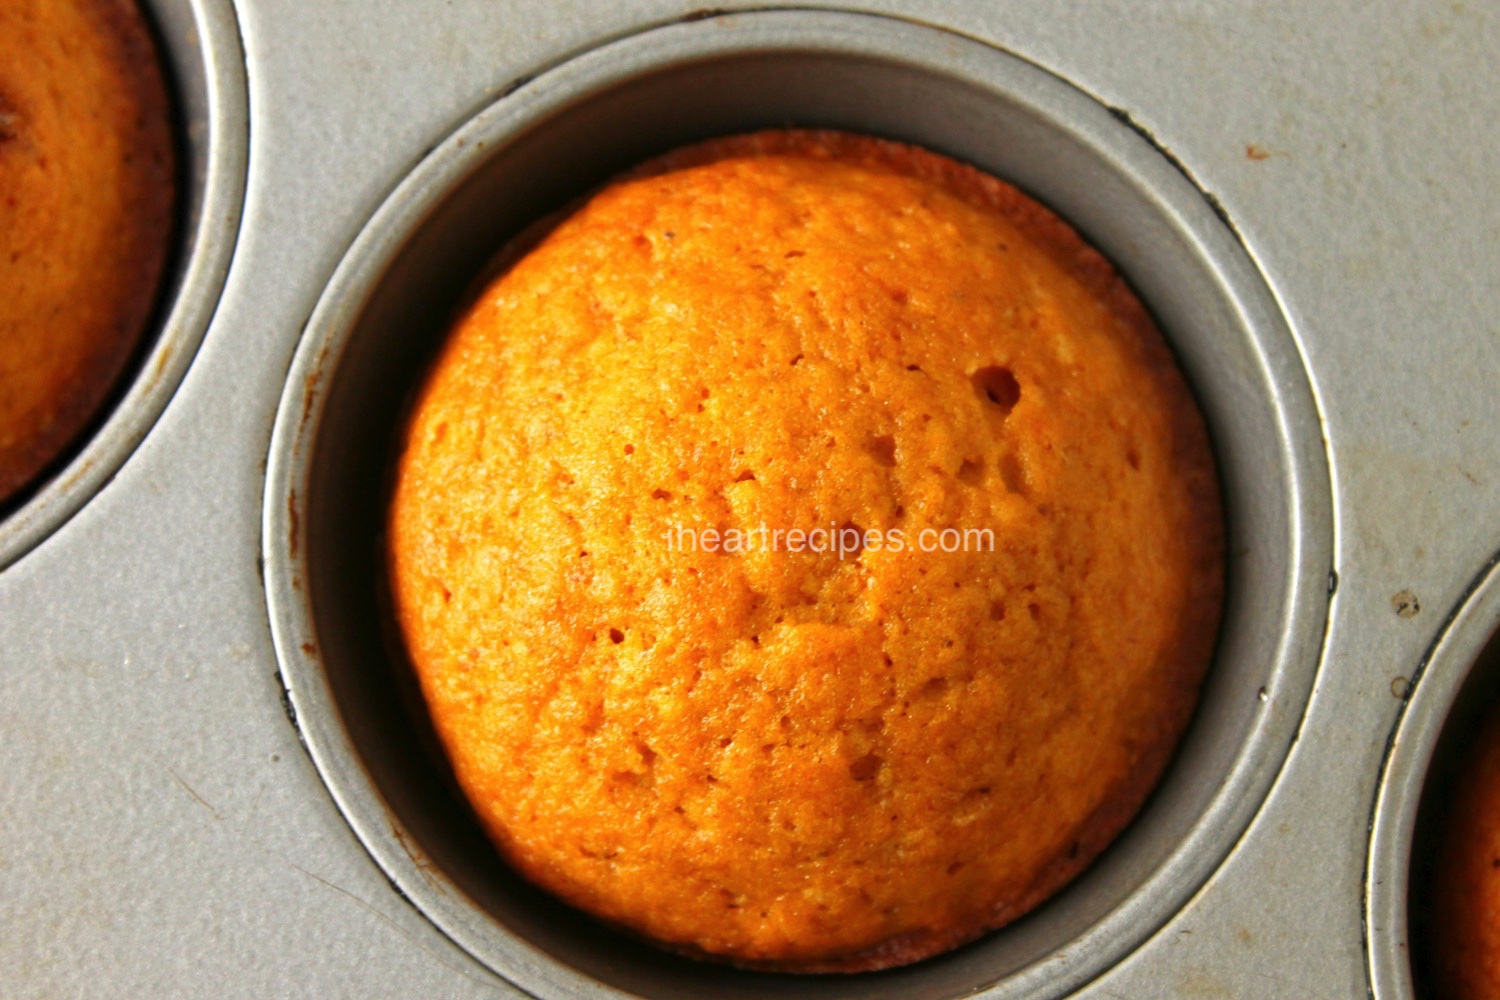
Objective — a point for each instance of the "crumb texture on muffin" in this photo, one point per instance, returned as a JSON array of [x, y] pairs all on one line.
[[794, 759], [86, 203]]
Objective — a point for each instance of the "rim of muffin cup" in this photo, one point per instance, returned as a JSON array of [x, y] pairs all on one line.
[[199, 45], [1457, 678], [554, 136]]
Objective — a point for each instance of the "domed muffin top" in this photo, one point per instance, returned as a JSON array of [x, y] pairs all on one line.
[[674, 708]]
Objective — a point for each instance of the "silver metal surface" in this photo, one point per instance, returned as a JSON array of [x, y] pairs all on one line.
[[162, 833]]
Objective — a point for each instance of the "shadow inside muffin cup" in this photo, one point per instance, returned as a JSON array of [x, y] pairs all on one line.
[[565, 133], [1473, 708], [1454, 694], [197, 42]]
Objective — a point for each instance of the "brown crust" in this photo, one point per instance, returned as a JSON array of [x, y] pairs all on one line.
[[102, 224]]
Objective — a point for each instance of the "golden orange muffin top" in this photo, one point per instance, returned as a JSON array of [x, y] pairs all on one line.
[[786, 758], [1462, 948], [86, 196]]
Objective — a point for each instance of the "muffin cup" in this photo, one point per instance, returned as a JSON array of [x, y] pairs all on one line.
[[554, 137], [1456, 679], [199, 45]]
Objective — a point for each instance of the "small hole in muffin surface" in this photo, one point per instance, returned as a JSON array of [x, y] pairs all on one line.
[[997, 385], [883, 450], [865, 767], [1012, 474]]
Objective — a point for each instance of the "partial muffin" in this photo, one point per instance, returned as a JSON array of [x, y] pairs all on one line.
[[784, 758], [1461, 943], [87, 178]]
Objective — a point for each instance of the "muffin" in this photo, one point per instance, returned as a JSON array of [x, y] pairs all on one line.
[[809, 553], [1461, 940], [87, 174]]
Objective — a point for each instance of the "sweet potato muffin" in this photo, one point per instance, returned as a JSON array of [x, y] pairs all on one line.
[[671, 714], [1461, 940], [86, 203]]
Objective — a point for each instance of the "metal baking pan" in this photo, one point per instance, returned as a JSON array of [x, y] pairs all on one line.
[[193, 604]]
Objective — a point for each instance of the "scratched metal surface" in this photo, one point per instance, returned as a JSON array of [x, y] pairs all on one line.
[[163, 833]]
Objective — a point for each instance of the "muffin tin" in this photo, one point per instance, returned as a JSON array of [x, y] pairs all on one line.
[[217, 601]]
